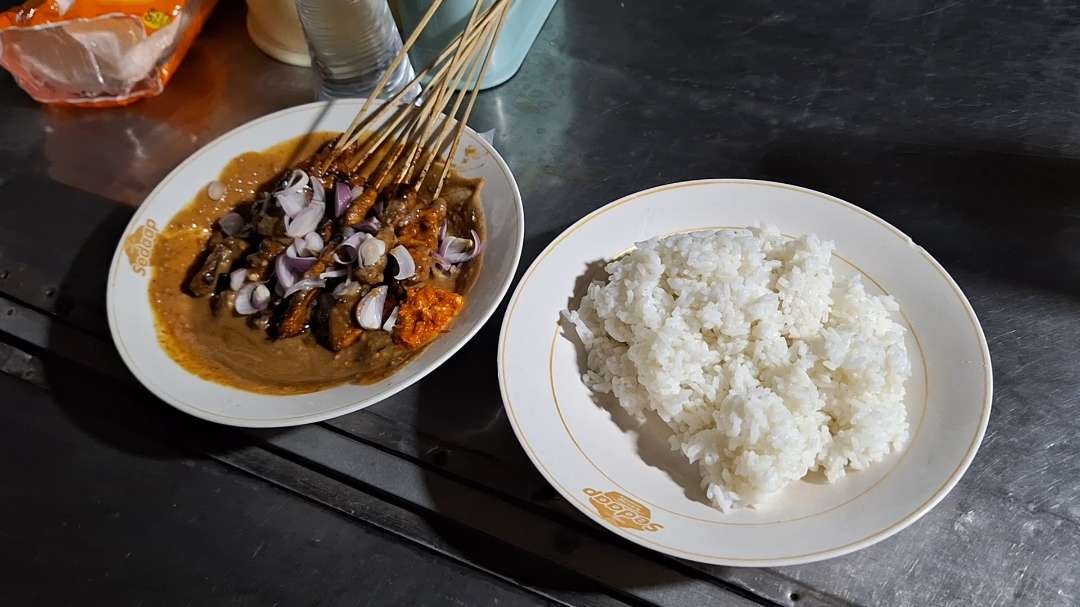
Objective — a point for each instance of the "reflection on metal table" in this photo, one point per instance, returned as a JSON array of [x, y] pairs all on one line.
[[951, 121]]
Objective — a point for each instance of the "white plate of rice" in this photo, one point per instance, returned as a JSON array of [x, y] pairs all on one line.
[[744, 373]]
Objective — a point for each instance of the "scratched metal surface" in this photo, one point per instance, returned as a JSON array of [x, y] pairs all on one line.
[[952, 120]]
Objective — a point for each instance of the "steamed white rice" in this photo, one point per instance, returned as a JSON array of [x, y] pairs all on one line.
[[763, 364]]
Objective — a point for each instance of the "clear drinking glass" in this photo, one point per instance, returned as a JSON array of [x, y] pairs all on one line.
[[352, 42]]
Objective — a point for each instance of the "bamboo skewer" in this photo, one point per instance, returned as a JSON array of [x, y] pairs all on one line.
[[435, 145], [358, 157], [355, 129], [461, 59], [431, 106], [410, 138], [381, 84], [372, 142], [388, 128], [472, 100]]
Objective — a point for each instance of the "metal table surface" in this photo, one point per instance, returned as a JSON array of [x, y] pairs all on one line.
[[954, 121]]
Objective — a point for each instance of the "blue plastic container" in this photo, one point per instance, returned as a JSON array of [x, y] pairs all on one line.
[[517, 36]]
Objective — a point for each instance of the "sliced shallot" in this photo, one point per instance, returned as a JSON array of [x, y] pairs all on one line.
[[334, 273], [342, 197], [371, 226], [243, 304], [284, 272], [313, 243], [292, 197], [306, 220], [291, 201], [305, 285], [216, 190], [260, 297], [478, 245], [298, 180], [318, 192], [454, 250], [406, 265], [371, 251], [349, 251], [370, 309], [295, 261], [231, 224], [237, 278]]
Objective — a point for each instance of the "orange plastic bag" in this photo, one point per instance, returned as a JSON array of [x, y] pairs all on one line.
[[98, 53]]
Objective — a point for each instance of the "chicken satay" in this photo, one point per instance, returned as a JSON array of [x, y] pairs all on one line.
[[424, 227], [258, 263], [296, 310], [421, 237], [358, 209], [223, 303], [267, 218], [321, 164], [326, 256], [340, 328], [400, 203], [326, 230], [222, 253]]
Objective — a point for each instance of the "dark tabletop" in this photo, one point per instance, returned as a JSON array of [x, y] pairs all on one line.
[[955, 121]]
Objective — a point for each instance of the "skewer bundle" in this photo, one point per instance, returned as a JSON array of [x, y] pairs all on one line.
[[306, 256], [411, 137]]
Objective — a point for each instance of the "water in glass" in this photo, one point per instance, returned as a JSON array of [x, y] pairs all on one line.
[[352, 42]]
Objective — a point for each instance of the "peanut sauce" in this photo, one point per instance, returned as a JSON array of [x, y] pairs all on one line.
[[224, 348]]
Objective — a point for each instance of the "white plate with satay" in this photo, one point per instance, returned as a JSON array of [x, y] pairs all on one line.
[[320, 259]]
